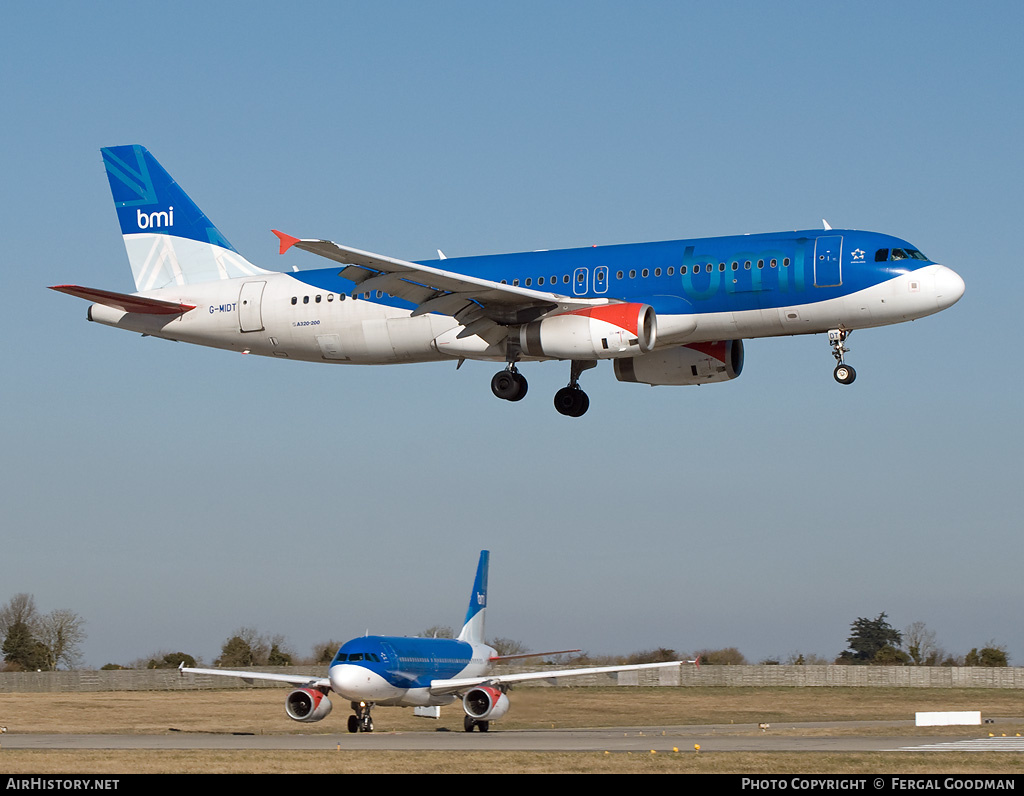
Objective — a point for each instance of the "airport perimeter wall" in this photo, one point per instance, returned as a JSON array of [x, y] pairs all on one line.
[[688, 676]]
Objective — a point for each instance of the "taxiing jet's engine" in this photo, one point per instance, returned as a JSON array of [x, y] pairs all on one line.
[[697, 363], [610, 330], [307, 704], [485, 703]]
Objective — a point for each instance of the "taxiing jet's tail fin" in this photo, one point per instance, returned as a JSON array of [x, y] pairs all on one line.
[[473, 630], [170, 241]]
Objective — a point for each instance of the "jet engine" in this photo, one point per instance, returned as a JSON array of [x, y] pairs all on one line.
[[603, 332], [697, 363], [485, 703], [307, 704]]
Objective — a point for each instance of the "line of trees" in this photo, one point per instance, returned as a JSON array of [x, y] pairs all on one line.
[[39, 642], [875, 641], [33, 641]]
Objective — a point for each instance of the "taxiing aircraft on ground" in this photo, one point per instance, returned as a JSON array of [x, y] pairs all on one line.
[[668, 313], [423, 673]]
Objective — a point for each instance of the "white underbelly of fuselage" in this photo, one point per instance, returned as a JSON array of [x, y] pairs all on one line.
[[288, 319]]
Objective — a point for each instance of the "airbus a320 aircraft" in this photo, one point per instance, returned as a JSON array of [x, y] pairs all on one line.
[[674, 312], [422, 673]]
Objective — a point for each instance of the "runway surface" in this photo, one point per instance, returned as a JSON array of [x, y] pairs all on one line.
[[711, 738]]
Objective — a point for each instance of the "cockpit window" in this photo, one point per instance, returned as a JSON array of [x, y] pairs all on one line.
[[355, 656], [899, 254], [341, 657]]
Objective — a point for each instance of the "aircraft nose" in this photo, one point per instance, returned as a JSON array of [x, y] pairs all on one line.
[[949, 287]]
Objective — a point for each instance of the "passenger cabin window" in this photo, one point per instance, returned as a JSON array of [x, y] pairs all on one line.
[[295, 299]]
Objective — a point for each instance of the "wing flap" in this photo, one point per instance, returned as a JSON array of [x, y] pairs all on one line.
[[306, 680], [464, 683], [125, 301]]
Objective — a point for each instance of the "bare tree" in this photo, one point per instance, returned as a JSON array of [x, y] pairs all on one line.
[[437, 631], [20, 608], [920, 644], [508, 646], [61, 632]]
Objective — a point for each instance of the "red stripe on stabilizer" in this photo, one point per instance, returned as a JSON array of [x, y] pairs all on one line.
[[125, 301], [287, 241], [625, 316], [715, 349]]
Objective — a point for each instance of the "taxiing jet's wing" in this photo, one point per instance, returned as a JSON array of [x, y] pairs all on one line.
[[307, 680], [464, 683], [478, 304]]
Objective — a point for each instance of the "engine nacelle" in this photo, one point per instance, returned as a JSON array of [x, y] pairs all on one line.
[[307, 704], [485, 703], [604, 332], [697, 363]]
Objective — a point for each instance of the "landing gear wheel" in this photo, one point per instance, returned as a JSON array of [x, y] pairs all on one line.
[[483, 725], [367, 724], [509, 385], [468, 723], [353, 724], [523, 387], [571, 401], [844, 374]]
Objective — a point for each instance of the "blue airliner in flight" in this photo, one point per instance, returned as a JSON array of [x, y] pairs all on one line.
[[668, 313], [422, 673]]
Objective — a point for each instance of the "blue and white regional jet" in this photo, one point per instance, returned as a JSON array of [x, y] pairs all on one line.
[[668, 313], [422, 673]]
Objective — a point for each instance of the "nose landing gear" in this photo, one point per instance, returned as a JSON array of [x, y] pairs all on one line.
[[361, 721], [843, 373]]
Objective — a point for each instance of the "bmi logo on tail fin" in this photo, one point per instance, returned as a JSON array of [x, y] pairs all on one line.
[[473, 629], [169, 240]]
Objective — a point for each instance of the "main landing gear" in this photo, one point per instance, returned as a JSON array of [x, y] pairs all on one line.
[[510, 385], [571, 400], [361, 721], [843, 373], [468, 723]]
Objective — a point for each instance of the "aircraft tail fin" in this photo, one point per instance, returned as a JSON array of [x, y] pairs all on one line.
[[473, 629], [169, 240]]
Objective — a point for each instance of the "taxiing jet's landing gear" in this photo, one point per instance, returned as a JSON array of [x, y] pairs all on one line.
[[843, 373], [571, 400], [468, 723], [361, 721], [509, 384]]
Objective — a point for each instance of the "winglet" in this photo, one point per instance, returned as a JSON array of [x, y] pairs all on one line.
[[287, 241]]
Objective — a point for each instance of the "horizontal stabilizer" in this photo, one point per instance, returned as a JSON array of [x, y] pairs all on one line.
[[125, 301]]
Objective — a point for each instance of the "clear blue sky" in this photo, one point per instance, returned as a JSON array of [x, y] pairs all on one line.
[[171, 494]]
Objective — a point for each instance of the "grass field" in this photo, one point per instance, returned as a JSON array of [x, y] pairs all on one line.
[[261, 711]]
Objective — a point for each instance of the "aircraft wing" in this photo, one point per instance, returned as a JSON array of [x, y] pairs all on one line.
[[463, 683], [470, 300], [307, 680]]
